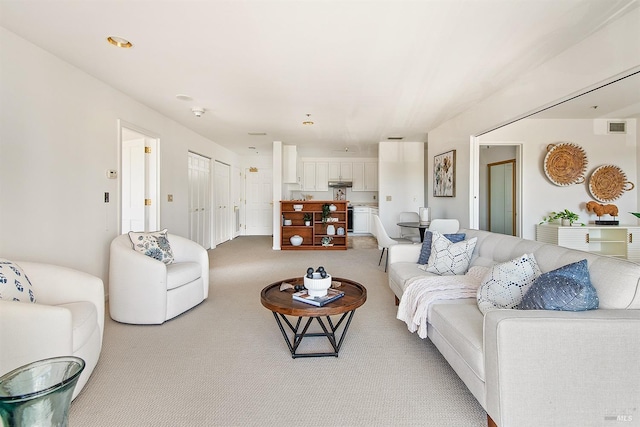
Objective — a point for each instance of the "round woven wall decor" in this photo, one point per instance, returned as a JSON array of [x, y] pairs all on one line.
[[608, 182], [565, 163]]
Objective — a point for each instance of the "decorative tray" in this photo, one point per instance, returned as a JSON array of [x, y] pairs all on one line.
[[565, 163], [608, 182]]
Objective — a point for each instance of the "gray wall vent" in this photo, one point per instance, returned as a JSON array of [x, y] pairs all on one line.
[[617, 127]]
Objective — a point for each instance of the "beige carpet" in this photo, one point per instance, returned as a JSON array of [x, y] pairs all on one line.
[[224, 363], [362, 242]]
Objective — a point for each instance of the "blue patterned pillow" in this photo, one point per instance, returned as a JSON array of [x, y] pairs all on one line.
[[14, 284], [568, 288], [425, 251], [154, 244]]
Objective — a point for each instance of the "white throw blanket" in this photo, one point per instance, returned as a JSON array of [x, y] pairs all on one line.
[[423, 291]]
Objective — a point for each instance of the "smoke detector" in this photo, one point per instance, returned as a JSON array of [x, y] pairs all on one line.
[[197, 111]]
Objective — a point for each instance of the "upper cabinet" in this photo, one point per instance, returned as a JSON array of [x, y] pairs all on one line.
[[340, 171], [316, 173], [315, 176], [365, 176]]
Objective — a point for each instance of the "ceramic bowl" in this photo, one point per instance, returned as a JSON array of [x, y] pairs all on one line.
[[288, 222], [297, 208], [317, 287]]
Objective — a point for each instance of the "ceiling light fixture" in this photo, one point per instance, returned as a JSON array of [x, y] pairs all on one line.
[[197, 111], [182, 97], [308, 122], [119, 42]]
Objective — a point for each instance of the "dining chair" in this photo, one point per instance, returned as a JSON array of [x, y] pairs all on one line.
[[384, 241], [410, 233], [444, 225]]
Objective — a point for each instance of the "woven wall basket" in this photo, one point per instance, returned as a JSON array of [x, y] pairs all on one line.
[[565, 163], [608, 182]]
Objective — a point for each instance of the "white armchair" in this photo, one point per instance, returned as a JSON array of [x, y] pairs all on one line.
[[143, 290], [67, 319]]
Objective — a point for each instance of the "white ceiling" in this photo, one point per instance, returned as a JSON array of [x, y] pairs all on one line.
[[364, 70]]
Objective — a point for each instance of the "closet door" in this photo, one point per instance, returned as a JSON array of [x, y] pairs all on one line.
[[223, 208], [200, 200]]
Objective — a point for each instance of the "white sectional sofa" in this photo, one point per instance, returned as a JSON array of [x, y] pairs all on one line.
[[541, 367]]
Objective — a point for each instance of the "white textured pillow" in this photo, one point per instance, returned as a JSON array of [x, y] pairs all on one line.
[[153, 243], [506, 283], [14, 284], [449, 258]]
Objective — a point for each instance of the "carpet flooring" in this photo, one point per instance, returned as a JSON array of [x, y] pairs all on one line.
[[224, 362]]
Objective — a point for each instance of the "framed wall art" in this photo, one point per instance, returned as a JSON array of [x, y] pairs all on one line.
[[444, 174]]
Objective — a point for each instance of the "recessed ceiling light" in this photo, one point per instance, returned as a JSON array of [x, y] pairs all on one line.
[[182, 97], [119, 42]]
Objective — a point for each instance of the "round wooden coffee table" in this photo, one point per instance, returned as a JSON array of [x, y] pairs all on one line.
[[282, 304]]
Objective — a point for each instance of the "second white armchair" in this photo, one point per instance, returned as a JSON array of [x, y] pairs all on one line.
[[143, 290]]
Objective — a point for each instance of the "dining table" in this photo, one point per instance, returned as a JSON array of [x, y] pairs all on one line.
[[421, 226]]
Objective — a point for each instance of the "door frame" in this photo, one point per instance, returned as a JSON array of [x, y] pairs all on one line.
[[155, 197]]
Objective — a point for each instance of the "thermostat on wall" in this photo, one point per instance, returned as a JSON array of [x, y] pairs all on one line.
[[112, 174]]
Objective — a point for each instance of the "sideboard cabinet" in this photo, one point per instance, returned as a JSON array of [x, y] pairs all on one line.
[[615, 241], [312, 234]]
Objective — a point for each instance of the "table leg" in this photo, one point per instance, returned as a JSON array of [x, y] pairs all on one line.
[[328, 330], [422, 229]]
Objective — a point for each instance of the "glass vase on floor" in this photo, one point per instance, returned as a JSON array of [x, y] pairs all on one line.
[[39, 394]]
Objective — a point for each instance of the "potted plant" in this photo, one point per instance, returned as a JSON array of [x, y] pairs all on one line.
[[326, 213], [307, 219], [566, 216]]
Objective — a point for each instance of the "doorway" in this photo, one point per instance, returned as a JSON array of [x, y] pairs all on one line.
[[483, 153], [501, 201], [139, 192]]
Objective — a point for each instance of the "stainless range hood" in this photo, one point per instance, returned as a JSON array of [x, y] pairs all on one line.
[[339, 184]]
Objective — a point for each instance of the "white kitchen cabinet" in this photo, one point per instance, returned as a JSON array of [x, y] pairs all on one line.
[[372, 224], [613, 241], [340, 171], [315, 176], [361, 220], [365, 176]]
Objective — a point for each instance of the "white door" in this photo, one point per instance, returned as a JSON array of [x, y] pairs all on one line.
[[236, 198], [259, 202], [501, 188], [200, 199], [223, 208], [140, 199]]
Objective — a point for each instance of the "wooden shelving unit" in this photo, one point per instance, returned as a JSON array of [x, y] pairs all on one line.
[[312, 235]]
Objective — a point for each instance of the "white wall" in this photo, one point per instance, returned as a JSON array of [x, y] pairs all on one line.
[[608, 53], [400, 179], [541, 196], [58, 138]]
